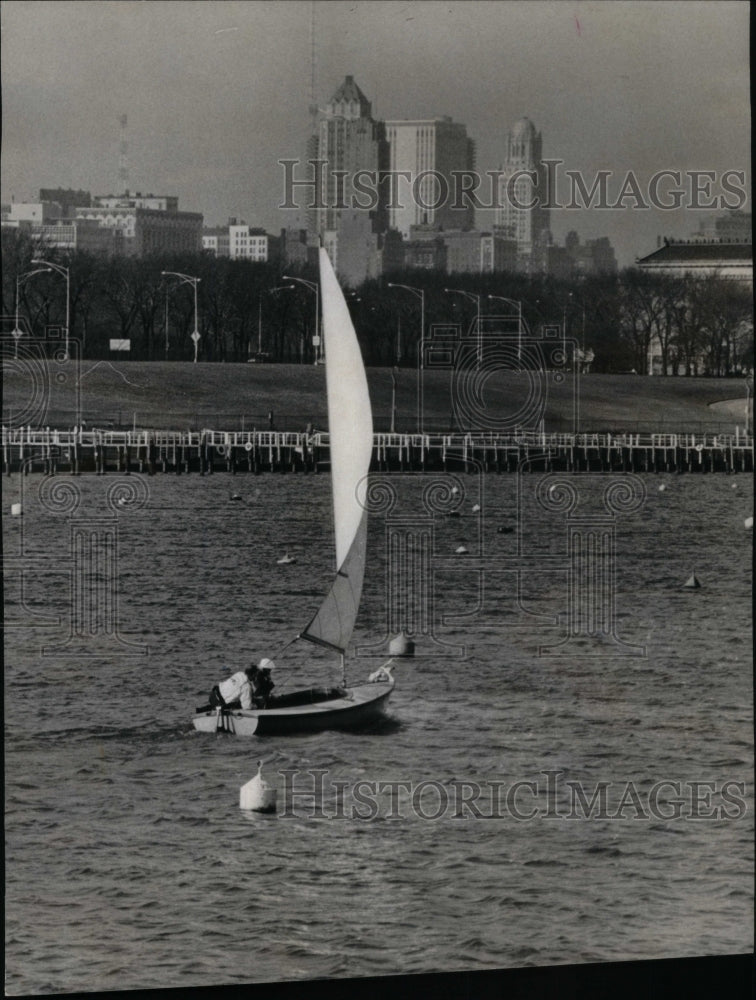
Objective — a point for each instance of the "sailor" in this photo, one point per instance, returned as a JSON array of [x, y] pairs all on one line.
[[264, 683], [236, 690]]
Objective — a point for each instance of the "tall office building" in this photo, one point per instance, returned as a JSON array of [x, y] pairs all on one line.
[[350, 141], [433, 153], [523, 193]]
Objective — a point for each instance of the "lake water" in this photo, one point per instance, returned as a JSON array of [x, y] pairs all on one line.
[[129, 862]]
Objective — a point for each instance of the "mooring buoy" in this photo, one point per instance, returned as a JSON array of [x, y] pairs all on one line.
[[257, 794], [16, 510], [401, 645]]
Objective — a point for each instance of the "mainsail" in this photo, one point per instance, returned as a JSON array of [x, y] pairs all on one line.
[[350, 427]]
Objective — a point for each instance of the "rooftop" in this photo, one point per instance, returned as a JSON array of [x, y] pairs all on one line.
[[699, 250]]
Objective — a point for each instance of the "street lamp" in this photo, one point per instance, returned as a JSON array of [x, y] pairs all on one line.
[[748, 387], [513, 302], [66, 274], [314, 287], [17, 331], [564, 328], [420, 293], [192, 281], [476, 299]]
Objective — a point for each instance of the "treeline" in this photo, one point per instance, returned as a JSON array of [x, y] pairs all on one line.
[[698, 325]]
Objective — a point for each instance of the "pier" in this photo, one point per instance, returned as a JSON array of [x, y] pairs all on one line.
[[82, 451]]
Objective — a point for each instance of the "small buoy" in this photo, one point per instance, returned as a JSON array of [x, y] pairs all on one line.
[[734, 486], [692, 583], [257, 794], [455, 489], [285, 560], [748, 522], [401, 645], [234, 497], [461, 550], [16, 510], [662, 488], [476, 508]]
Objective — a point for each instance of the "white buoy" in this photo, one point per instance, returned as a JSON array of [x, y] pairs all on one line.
[[401, 645], [461, 550], [476, 508], [16, 510], [455, 490], [257, 794], [748, 522], [662, 488], [734, 486]]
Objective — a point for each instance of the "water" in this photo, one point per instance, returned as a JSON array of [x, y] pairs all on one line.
[[130, 865]]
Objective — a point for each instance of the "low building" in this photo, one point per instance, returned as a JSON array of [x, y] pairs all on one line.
[[37, 212], [700, 258], [215, 240], [71, 235], [239, 241], [158, 232]]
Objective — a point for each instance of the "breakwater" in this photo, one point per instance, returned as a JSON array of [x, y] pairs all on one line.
[[90, 450]]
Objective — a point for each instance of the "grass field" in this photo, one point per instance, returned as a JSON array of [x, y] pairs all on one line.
[[236, 396]]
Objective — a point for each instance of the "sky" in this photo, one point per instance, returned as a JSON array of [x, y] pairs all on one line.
[[216, 93]]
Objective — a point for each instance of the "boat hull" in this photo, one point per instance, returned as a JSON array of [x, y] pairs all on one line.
[[360, 705]]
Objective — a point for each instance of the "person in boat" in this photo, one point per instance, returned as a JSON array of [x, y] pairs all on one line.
[[236, 691], [264, 683]]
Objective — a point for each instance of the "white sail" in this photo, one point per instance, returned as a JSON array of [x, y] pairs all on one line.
[[350, 427]]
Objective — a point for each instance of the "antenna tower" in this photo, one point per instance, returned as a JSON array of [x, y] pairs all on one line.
[[313, 100], [123, 167]]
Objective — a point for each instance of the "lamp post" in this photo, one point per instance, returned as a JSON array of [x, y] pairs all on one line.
[[314, 287], [17, 331], [192, 281], [513, 302], [564, 328], [748, 386], [420, 293], [59, 269], [476, 299]]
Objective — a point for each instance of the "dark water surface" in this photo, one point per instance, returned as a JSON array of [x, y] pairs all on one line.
[[129, 863]]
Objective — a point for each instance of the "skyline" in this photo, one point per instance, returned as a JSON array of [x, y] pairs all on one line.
[[216, 94]]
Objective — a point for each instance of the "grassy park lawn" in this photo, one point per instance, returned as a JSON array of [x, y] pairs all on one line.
[[235, 396]]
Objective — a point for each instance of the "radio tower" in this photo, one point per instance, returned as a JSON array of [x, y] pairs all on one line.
[[123, 168], [313, 101]]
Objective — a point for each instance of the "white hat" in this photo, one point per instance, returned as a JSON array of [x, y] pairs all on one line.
[[266, 664]]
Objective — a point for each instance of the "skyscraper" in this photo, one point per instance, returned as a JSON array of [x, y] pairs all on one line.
[[349, 141], [433, 153], [522, 195]]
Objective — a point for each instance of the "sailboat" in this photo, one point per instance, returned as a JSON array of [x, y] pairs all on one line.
[[350, 426]]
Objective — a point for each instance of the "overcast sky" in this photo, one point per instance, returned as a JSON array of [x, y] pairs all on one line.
[[217, 92]]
